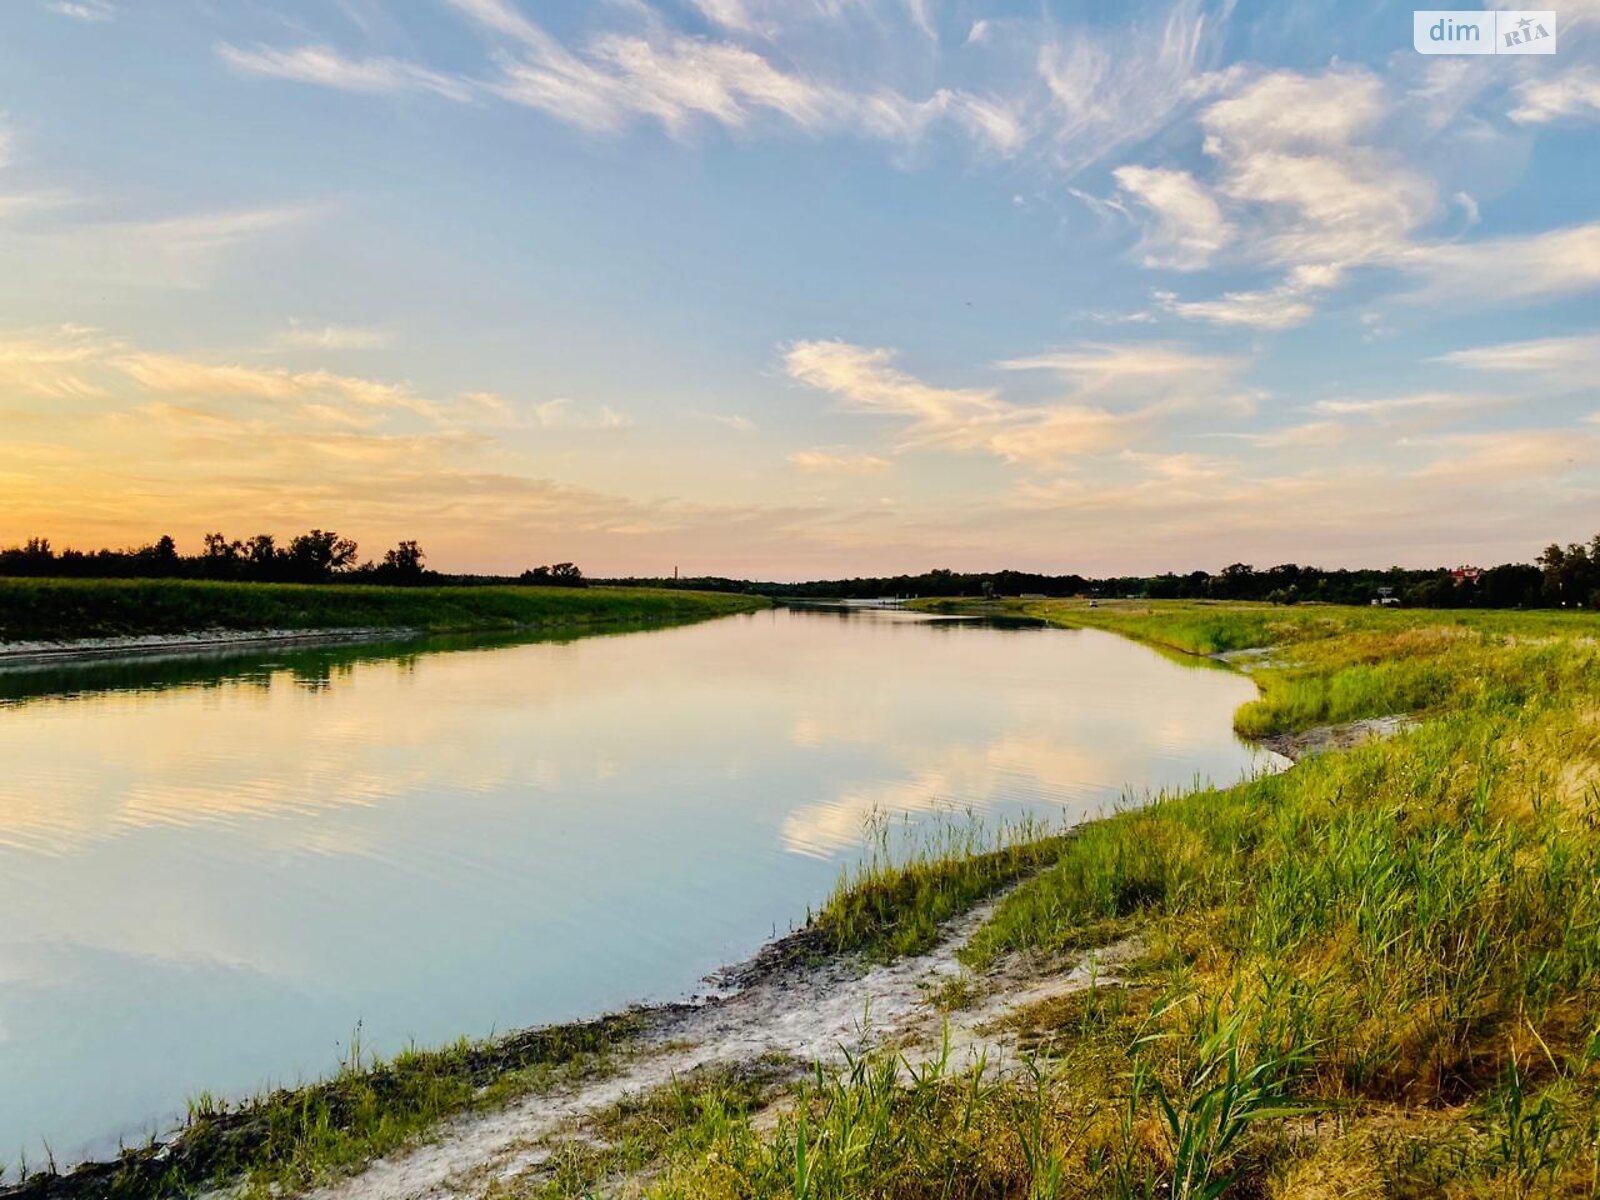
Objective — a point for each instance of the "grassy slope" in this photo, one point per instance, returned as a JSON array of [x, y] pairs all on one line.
[[59, 609], [1377, 974]]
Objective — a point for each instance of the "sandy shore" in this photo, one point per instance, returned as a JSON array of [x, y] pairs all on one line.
[[796, 1013]]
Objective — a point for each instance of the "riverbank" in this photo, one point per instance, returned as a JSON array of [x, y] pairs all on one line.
[[1375, 974], [44, 617]]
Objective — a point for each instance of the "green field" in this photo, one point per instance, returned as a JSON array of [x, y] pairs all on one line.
[[64, 609]]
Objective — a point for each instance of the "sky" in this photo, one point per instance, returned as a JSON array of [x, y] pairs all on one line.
[[798, 288]]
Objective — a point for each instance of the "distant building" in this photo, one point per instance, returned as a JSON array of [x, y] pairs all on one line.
[[1466, 575], [1386, 598]]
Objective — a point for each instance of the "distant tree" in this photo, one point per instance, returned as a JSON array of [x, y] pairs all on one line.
[[403, 564], [562, 574], [319, 554], [1435, 592], [1512, 585], [1569, 573], [261, 552], [1237, 582], [219, 547], [165, 551]]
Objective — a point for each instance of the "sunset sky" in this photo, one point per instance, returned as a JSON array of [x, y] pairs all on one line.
[[798, 288]]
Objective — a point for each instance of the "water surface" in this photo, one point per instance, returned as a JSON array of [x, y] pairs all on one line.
[[211, 870]]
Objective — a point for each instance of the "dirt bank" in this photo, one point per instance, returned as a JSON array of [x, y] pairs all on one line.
[[797, 1014]]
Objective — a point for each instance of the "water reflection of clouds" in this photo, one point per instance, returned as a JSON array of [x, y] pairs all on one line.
[[955, 779]]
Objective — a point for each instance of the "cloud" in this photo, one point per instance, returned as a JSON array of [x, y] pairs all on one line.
[[170, 374], [1299, 148], [1314, 435], [836, 461], [1115, 88], [84, 10], [328, 68], [334, 337], [1387, 406], [1515, 456], [1299, 182], [1281, 307], [730, 14], [1574, 93], [678, 81], [1518, 267], [184, 251], [503, 18], [1574, 359], [52, 362], [1097, 365], [866, 380], [1189, 227], [564, 414]]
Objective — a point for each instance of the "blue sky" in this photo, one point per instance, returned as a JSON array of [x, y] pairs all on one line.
[[793, 288]]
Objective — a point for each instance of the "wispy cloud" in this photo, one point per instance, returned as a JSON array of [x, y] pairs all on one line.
[[564, 414], [1112, 88], [1188, 227], [92, 11], [168, 375], [1303, 149], [1519, 267], [54, 362], [824, 460], [327, 67], [1281, 307], [866, 380], [1574, 94], [185, 251], [1389, 406], [333, 337], [1515, 457], [1100, 366], [1562, 360]]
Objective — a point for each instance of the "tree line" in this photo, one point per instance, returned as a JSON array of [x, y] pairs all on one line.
[[1562, 576], [316, 556]]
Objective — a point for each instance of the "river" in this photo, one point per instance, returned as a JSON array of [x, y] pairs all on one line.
[[213, 869]]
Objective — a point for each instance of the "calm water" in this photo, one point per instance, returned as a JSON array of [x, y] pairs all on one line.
[[210, 871]]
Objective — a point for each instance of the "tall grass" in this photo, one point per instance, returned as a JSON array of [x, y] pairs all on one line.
[[894, 903], [59, 609]]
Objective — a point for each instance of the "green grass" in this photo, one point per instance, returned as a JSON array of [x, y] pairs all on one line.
[[288, 1140], [891, 905], [60, 609]]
